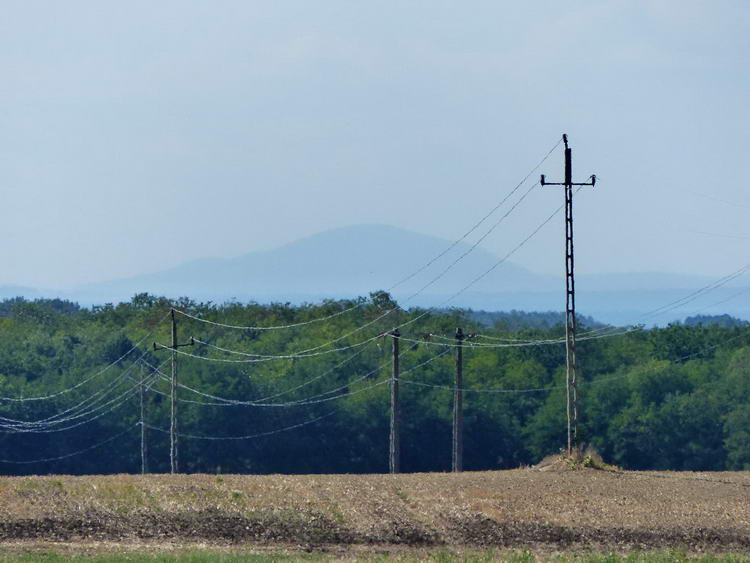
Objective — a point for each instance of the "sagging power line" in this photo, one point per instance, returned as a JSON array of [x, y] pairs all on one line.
[[343, 391], [416, 272]]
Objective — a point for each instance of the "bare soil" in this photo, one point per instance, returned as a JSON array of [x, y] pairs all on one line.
[[548, 508]]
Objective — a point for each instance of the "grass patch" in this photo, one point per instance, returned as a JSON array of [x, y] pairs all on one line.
[[401, 494], [187, 556], [667, 556], [589, 458], [122, 498], [42, 486]]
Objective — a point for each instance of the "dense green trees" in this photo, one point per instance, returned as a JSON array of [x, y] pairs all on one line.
[[671, 398]]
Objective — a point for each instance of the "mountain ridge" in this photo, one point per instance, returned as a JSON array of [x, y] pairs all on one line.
[[345, 261], [356, 260]]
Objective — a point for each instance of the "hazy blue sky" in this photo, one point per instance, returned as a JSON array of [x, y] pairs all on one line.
[[137, 135]]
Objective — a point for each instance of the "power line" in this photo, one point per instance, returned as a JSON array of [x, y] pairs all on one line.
[[312, 399], [596, 381], [230, 402], [313, 351], [306, 401], [473, 246], [439, 276], [730, 298], [123, 399], [59, 418], [677, 303], [299, 425], [696, 294], [269, 357], [480, 390], [80, 383], [542, 342], [307, 352], [79, 408], [406, 381], [85, 403], [408, 277], [479, 223], [479, 345], [249, 436], [58, 458], [634, 371]]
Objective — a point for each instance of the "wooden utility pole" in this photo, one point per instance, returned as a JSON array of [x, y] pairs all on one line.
[[173, 459], [394, 446], [173, 452], [570, 297], [143, 425], [458, 406]]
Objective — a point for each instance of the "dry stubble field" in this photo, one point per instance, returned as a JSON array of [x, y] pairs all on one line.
[[547, 510]]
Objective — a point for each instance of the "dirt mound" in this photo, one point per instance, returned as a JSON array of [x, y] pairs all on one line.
[[580, 458]]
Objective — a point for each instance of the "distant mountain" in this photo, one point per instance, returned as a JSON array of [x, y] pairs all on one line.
[[627, 281], [11, 291], [343, 262], [724, 321], [517, 320], [354, 261]]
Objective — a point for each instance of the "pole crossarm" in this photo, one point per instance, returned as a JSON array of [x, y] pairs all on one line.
[[158, 346], [568, 171], [544, 182]]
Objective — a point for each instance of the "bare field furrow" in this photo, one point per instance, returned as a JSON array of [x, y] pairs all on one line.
[[521, 508]]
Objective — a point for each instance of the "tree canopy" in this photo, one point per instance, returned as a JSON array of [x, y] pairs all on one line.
[[665, 398]]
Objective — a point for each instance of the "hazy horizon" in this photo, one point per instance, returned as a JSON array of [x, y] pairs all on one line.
[[142, 136], [198, 259]]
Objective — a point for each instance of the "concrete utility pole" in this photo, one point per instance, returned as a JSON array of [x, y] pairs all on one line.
[[173, 453], [458, 406], [570, 299], [394, 449]]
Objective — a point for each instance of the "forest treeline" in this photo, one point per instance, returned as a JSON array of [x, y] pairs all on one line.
[[666, 398]]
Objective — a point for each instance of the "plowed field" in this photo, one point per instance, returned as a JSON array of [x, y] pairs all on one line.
[[524, 508]]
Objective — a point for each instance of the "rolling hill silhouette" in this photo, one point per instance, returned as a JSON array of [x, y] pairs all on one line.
[[356, 260]]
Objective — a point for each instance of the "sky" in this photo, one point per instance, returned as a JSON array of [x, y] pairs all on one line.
[[138, 135]]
